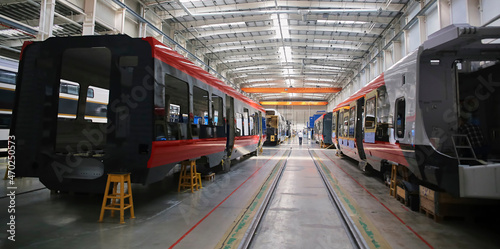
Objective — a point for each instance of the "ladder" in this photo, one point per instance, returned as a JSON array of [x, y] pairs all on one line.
[[461, 143]]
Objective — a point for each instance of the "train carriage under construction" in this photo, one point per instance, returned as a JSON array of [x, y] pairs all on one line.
[[411, 114], [156, 109]]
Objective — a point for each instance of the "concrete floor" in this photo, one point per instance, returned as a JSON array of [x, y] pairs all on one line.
[[167, 219], [301, 214]]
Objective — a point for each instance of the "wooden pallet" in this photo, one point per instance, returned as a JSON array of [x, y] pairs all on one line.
[[441, 205], [209, 177], [401, 195], [430, 213]]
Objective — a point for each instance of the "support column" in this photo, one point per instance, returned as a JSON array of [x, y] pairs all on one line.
[[444, 10], [89, 20], [473, 13], [46, 19], [143, 26], [406, 41], [423, 29], [396, 51], [120, 20]]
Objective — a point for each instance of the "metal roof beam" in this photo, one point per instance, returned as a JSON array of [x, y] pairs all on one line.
[[263, 18], [224, 54], [304, 7], [353, 38], [291, 89], [314, 103], [18, 25], [271, 28]]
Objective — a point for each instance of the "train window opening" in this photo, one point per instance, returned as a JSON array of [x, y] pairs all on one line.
[[251, 124], [5, 120], [218, 115], [200, 111], [239, 124], [96, 106], [345, 122], [83, 100], [400, 117], [200, 106], [352, 120], [68, 99], [334, 124], [171, 109], [383, 115], [403, 80], [370, 113], [245, 122], [217, 107], [255, 121], [7, 77]]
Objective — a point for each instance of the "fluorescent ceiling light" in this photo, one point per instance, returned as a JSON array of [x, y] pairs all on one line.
[[263, 84], [217, 25], [319, 79], [284, 29], [318, 84], [339, 22]]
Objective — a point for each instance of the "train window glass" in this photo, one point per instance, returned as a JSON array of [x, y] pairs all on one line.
[[352, 118], [403, 80], [345, 124], [218, 107], [73, 88], [7, 77], [176, 100], [200, 106], [5, 121], [341, 123], [382, 106], [255, 117], [96, 107], [239, 124], [245, 122], [400, 117], [334, 122], [251, 123], [68, 99], [370, 113]]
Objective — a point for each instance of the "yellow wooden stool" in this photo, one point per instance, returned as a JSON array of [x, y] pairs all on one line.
[[189, 179], [118, 197], [198, 178]]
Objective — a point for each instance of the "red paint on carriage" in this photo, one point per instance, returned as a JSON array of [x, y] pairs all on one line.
[[165, 152]]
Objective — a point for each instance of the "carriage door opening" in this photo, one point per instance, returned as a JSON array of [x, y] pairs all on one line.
[[83, 101], [478, 102], [400, 118]]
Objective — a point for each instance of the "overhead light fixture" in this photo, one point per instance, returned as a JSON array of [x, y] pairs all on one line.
[[339, 22], [318, 84], [232, 25]]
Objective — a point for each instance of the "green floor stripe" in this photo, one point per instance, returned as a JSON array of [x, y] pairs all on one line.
[[238, 231]]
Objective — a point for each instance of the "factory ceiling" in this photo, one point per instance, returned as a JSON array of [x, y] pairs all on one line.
[[252, 43]]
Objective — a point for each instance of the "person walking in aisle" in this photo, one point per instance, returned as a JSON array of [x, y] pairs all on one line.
[[300, 137]]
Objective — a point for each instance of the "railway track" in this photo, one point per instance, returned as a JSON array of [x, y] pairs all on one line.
[[257, 226]]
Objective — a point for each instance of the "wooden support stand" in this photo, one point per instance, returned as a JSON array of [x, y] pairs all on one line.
[[118, 197], [394, 175], [189, 179], [210, 177]]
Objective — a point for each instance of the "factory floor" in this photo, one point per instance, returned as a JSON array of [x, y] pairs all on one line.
[[206, 218]]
